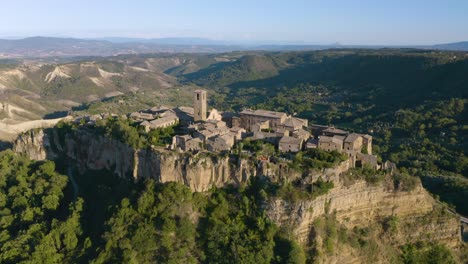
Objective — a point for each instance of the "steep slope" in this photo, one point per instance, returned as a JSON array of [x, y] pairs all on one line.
[[247, 68]]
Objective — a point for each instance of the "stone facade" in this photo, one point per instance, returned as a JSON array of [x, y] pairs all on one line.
[[166, 121], [199, 105], [220, 143], [290, 144], [252, 117], [331, 143]]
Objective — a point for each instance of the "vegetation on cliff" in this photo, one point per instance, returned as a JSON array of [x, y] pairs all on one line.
[[123, 130], [148, 222]]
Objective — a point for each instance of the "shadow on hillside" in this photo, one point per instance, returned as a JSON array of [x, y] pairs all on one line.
[[4, 145], [56, 114], [394, 81], [450, 190], [101, 189]]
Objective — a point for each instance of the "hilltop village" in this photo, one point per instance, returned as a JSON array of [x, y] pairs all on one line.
[[219, 131]]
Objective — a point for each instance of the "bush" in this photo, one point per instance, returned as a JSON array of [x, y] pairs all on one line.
[[404, 182], [426, 253], [317, 159]]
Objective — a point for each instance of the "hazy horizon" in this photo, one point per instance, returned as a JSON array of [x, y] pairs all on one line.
[[295, 22]]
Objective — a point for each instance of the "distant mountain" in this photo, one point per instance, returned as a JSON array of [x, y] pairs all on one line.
[[461, 46], [166, 41], [111, 46], [69, 47], [48, 43]]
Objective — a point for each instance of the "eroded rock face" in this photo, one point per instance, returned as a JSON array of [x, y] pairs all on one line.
[[361, 205], [34, 144], [199, 172]]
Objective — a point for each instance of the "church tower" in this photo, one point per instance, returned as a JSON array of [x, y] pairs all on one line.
[[199, 105]]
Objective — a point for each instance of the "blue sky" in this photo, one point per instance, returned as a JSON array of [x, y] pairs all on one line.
[[387, 22]]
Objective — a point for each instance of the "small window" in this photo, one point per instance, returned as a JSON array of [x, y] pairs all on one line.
[[198, 96]]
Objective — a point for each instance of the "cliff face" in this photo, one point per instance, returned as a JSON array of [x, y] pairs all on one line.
[[199, 172], [419, 218], [359, 204]]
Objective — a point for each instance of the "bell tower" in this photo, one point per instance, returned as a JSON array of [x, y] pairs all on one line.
[[199, 105]]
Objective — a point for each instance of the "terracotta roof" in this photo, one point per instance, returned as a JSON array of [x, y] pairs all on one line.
[[352, 137], [185, 109], [301, 132], [265, 113], [163, 120], [194, 139], [334, 139], [335, 131], [159, 108], [290, 140], [186, 137], [145, 123], [294, 122], [366, 136]]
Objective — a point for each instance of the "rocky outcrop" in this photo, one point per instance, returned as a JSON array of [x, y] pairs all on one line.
[[200, 172], [362, 205], [34, 144]]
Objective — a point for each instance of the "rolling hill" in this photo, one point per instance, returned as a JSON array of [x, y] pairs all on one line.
[[50, 47]]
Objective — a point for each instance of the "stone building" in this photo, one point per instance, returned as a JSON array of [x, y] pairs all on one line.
[[312, 143], [290, 144], [331, 143], [238, 133], [251, 117], [367, 160], [199, 105], [302, 134], [186, 143], [162, 122], [220, 143], [358, 147], [140, 116], [294, 123], [367, 143], [260, 126], [270, 137], [331, 131], [193, 144], [353, 143], [185, 115]]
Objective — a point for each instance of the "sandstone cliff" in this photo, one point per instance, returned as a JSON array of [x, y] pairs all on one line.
[[199, 172], [420, 218]]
